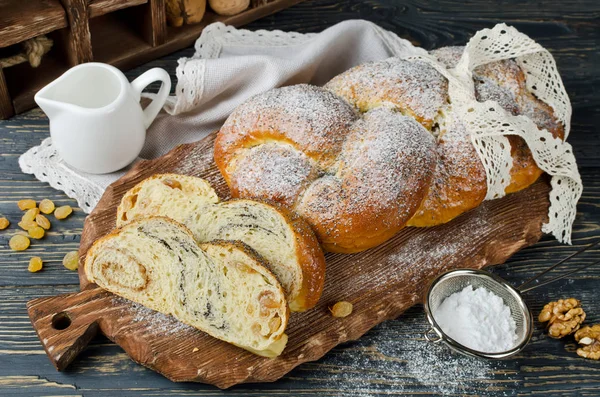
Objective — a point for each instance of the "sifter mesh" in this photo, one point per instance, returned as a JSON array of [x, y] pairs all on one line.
[[455, 281]]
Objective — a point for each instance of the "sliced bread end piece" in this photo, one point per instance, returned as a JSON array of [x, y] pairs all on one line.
[[220, 288]]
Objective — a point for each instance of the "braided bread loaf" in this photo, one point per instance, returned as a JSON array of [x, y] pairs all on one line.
[[377, 149]]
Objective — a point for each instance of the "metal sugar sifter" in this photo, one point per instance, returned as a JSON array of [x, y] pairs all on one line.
[[455, 280]]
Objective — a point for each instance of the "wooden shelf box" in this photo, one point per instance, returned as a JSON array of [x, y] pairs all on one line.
[[123, 33]]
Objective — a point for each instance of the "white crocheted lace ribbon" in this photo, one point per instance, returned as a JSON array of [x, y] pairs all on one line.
[[489, 124]]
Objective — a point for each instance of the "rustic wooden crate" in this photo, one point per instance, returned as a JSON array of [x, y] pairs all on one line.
[[124, 33]]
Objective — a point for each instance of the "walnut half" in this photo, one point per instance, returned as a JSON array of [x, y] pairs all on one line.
[[563, 316], [589, 340]]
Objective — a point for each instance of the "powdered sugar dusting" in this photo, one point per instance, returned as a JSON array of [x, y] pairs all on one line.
[[389, 155], [382, 175], [395, 358], [413, 87], [277, 171], [311, 118], [459, 181], [153, 320]]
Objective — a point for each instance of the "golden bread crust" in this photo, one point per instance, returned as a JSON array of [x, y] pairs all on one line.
[[415, 88], [310, 257], [459, 181]]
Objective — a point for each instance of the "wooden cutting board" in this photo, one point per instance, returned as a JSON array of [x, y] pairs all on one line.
[[381, 283]]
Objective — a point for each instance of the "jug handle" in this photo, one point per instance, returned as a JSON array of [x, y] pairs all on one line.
[[147, 78]]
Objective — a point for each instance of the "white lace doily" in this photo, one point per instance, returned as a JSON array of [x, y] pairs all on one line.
[[46, 165]]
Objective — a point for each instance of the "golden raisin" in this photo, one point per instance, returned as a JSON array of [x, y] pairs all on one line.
[[4, 223], [19, 242], [35, 264], [36, 232], [26, 225], [63, 212], [46, 206], [71, 260], [172, 183], [30, 214], [267, 301], [274, 324], [341, 309], [256, 329], [42, 221], [26, 204]]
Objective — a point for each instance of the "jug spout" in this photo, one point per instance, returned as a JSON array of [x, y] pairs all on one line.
[[45, 100], [48, 106]]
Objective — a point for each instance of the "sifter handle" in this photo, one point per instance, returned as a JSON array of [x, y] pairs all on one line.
[[433, 339]]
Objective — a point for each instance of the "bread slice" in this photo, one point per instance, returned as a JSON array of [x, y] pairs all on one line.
[[285, 241], [220, 288]]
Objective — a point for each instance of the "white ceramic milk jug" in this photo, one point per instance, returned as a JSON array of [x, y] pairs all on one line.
[[96, 121]]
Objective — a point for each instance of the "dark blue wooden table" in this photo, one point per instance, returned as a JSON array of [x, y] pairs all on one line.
[[392, 359]]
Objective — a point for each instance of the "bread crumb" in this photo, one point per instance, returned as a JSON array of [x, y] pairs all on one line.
[[195, 349]]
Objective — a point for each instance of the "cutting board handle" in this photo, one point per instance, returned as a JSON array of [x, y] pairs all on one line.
[[66, 323]]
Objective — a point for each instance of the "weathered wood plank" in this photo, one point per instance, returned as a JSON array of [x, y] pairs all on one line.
[[547, 367], [384, 360], [100, 7], [6, 106], [22, 20], [78, 37], [155, 23]]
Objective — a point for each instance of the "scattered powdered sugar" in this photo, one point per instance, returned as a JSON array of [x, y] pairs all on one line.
[[381, 177], [414, 87], [502, 82], [459, 181], [385, 161], [155, 321], [276, 171], [448, 56], [394, 358], [311, 118], [478, 319]]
